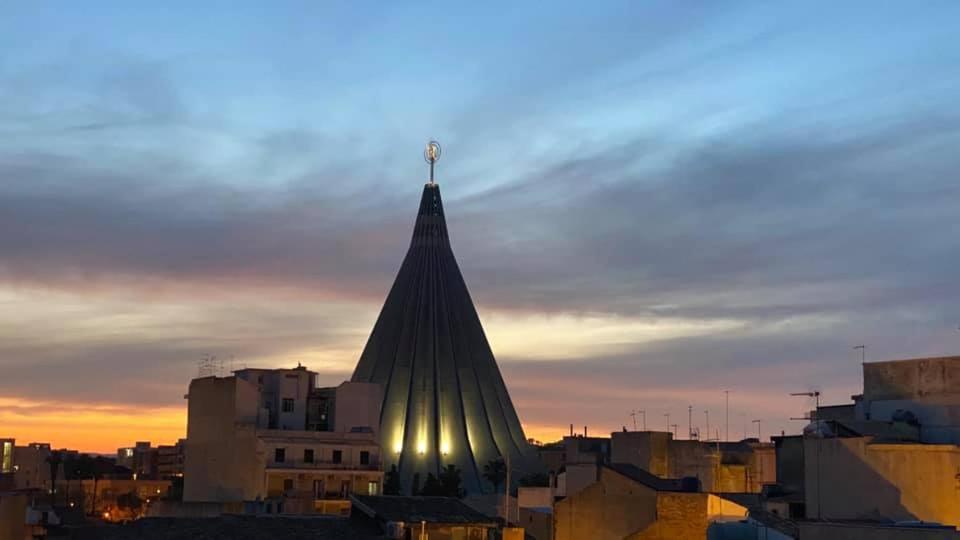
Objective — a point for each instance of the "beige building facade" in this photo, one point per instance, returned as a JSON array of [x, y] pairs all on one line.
[[857, 478], [927, 389], [721, 467], [248, 439], [619, 506]]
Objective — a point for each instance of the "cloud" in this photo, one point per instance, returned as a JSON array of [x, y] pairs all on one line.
[[685, 212]]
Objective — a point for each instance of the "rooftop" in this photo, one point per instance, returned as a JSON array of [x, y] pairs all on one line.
[[239, 528], [646, 478], [415, 509]]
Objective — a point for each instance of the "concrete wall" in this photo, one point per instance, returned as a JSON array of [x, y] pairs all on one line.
[[535, 497], [836, 531], [579, 449], [896, 481], [274, 386], [13, 512], [578, 477], [612, 507], [694, 459], [537, 523], [687, 516], [790, 462], [647, 450], [223, 459], [927, 387], [910, 379], [32, 469], [358, 405]]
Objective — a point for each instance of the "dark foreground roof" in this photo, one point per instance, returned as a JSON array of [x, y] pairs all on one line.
[[775, 522], [416, 509], [648, 479], [238, 528]]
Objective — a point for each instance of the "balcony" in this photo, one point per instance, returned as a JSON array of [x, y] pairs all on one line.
[[328, 465]]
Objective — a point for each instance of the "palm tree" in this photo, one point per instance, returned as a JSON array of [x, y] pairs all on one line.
[[450, 481], [391, 481], [495, 471], [54, 459]]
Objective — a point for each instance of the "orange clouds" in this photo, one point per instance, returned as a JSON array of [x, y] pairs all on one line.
[[96, 427]]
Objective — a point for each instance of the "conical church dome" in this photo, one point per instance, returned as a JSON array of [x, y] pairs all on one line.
[[445, 402]]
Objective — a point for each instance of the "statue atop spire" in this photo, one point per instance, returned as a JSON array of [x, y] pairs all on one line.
[[431, 154]]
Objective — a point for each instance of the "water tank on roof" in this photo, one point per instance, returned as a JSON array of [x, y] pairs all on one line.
[[819, 429], [905, 416]]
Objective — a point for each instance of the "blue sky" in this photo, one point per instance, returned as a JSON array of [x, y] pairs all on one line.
[[692, 195]]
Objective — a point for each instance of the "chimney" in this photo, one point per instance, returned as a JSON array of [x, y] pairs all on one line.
[[571, 430], [584, 432]]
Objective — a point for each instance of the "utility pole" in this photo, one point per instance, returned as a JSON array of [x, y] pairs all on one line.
[[690, 422], [759, 436], [816, 395], [726, 427], [506, 495]]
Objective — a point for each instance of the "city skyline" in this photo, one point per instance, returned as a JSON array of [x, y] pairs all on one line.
[[722, 198]]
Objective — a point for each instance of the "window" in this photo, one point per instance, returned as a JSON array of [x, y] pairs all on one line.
[[279, 455], [318, 489], [287, 405], [364, 457], [337, 456], [372, 488], [308, 455], [288, 484]]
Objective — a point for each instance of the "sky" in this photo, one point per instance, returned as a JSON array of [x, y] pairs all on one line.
[[651, 202]]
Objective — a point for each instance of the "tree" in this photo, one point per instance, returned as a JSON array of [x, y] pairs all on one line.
[[54, 460], [432, 487], [534, 480], [495, 471], [450, 482], [415, 489], [391, 481]]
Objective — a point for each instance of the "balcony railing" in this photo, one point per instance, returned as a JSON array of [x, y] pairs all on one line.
[[372, 465]]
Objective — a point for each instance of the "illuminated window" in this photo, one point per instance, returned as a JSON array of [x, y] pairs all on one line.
[[7, 456], [287, 405], [279, 455], [372, 488]]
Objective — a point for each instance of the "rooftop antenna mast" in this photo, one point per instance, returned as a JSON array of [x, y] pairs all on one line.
[[431, 154]]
